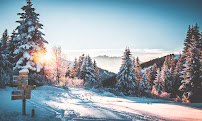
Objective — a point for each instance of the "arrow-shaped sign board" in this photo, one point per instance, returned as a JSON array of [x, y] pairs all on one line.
[[26, 92], [20, 83], [17, 97], [20, 97], [28, 87], [21, 78]]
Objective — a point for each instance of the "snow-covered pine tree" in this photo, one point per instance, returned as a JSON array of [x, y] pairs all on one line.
[[152, 74], [4, 77], [138, 71], [92, 72], [127, 81], [88, 73], [4, 45], [187, 40], [149, 77], [172, 75], [74, 71], [4, 51], [145, 86], [97, 74], [80, 62], [31, 39], [159, 85], [172, 64], [11, 47], [134, 62], [198, 36], [165, 76], [13, 43], [177, 77], [68, 71], [4, 42], [4, 63], [83, 69], [192, 73]]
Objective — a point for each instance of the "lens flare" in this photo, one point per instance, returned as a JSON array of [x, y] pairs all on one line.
[[42, 57]]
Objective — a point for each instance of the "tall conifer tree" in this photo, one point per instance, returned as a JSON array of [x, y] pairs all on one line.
[[30, 38], [192, 74], [74, 71], [127, 81], [158, 87], [165, 76]]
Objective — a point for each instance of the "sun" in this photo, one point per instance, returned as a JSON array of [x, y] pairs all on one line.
[[42, 57]]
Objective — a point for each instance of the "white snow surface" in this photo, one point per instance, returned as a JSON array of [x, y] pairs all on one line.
[[76, 103], [24, 70]]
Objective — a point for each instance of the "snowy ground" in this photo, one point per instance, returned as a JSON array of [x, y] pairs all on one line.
[[56, 103]]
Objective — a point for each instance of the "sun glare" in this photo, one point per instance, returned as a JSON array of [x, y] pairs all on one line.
[[42, 57]]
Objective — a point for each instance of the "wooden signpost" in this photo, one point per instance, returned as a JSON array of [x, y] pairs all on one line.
[[24, 90], [28, 87]]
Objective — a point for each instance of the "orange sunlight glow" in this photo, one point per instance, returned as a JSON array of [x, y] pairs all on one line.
[[42, 57]]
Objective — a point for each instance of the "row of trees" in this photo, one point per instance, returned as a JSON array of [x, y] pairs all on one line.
[[17, 51], [4, 63], [86, 70], [181, 78]]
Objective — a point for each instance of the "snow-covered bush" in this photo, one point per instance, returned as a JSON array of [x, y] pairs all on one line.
[[164, 95]]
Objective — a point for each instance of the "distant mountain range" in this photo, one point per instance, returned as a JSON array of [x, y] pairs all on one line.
[[114, 63], [158, 61]]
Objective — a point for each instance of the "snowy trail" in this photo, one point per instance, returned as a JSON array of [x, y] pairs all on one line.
[[101, 107], [56, 103]]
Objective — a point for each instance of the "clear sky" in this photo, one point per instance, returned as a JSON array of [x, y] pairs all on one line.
[[92, 26]]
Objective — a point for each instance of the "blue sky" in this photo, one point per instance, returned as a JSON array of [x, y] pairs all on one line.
[[82, 25]]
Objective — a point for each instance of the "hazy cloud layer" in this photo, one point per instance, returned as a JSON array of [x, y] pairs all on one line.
[[114, 64]]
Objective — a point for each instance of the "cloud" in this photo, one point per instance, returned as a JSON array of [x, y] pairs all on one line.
[[150, 53]]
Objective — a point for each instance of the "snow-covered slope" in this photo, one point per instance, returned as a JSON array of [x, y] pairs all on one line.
[[74, 103]]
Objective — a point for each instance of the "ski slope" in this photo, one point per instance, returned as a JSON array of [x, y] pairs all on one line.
[[76, 103]]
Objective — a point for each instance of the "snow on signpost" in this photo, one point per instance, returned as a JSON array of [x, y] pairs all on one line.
[[24, 90]]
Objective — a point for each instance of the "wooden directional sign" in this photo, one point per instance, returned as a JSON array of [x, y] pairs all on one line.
[[21, 77], [24, 90], [28, 87], [20, 97], [17, 78], [20, 83], [21, 92], [17, 97], [23, 73], [24, 77]]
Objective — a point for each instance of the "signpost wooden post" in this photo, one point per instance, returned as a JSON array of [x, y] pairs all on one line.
[[24, 90]]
